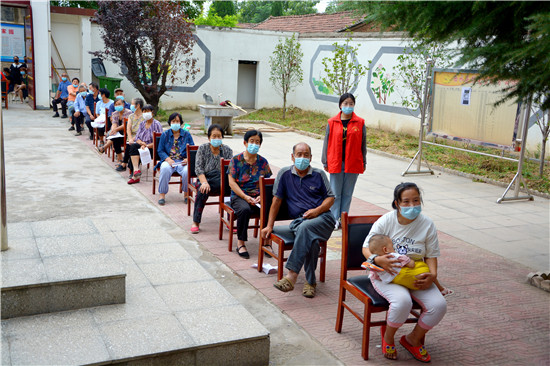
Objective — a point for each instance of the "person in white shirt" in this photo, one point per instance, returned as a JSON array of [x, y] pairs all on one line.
[[414, 235]]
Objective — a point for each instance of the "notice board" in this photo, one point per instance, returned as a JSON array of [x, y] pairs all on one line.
[[13, 42], [462, 111]]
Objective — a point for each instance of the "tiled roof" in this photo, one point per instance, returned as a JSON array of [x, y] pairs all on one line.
[[310, 23]]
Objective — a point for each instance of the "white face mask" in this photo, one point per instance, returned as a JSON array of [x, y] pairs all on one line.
[[147, 115]]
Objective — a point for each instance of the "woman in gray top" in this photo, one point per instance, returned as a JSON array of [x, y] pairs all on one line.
[[207, 168]]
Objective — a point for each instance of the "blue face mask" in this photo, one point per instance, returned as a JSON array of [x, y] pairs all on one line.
[[253, 148], [119, 108], [175, 126], [301, 163], [64, 78], [75, 86], [347, 110], [83, 94], [22, 72], [216, 142], [133, 108], [120, 97], [411, 212]]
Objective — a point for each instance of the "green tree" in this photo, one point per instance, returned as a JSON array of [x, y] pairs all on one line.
[[342, 71], [336, 6], [191, 8], [258, 11], [286, 67], [223, 8], [75, 4], [411, 71], [215, 20], [504, 40]]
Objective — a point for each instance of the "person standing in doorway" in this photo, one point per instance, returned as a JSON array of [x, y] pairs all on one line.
[[344, 154]]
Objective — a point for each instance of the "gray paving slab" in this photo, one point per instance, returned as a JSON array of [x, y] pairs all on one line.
[[70, 245], [157, 253], [192, 296], [167, 273]]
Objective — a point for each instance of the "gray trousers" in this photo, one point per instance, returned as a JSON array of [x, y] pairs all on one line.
[[307, 235]]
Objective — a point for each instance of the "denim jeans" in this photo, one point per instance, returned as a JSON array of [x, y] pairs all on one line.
[[342, 185], [166, 172], [307, 235]]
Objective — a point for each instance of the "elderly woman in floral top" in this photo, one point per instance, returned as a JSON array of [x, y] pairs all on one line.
[[245, 170], [207, 168], [143, 139], [134, 120], [117, 127]]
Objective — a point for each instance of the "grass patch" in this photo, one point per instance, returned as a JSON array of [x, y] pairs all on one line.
[[406, 145]]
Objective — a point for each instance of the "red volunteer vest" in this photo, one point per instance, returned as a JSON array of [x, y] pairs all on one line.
[[354, 139]]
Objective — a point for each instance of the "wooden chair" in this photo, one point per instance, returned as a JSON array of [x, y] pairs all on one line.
[[225, 207], [192, 179], [5, 88], [123, 147], [284, 239], [355, 229], [156, 141]]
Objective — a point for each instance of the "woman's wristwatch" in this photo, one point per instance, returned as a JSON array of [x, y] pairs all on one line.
[[371, 258]]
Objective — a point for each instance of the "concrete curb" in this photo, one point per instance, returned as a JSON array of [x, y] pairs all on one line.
[[398, 157]]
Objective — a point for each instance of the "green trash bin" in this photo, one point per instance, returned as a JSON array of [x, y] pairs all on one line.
[[110, 83]]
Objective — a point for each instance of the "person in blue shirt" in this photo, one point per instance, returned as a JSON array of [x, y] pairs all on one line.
[[172, 152], [119, 94], [103, 103], [62, 96], [308, 196], [80, 112], [91, 99]]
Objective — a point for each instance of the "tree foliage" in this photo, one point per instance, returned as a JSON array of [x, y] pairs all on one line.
[[343, 71], [214, 20], [504, 40], [286, 67], [153, 40], [192, 9], [336, 6], [411, 71], [75, 4], [258, 11], [223, 8]]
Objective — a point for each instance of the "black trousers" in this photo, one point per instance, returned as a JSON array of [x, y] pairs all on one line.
[[243, 211], [132, 150], [63, 105], [200, 200], [117, 144], [89, 125], [78, 122]]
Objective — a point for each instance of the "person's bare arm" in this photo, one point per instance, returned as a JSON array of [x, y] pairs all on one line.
[[273, 211], [239, 192], [387, 261], [425, 280], [322, 208]]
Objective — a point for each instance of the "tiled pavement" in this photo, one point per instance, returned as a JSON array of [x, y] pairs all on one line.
[[494, 317]]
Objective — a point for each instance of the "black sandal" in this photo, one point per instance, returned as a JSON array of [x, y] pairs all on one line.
[[243, 254]]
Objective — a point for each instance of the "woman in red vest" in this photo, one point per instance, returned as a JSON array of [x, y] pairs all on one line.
[[344, 154]]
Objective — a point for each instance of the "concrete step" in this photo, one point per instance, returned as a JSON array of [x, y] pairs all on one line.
[[57, 271]]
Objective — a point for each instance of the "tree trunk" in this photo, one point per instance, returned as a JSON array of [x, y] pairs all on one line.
[[284, 106], [154, 100], [542, 153]]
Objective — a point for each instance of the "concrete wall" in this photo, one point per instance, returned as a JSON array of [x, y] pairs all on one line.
[[219, 50]]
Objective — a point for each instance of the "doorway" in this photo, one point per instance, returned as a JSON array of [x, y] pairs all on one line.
[[246, 84]]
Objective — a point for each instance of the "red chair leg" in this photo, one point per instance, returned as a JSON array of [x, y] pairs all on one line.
[[280, 261], [231, 223], [340, 313], [366, 334]]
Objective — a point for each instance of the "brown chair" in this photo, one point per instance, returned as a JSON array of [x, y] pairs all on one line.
[[156, 141], [124, 121], [355, 229], [284, 239], [5, 89], [225, 207]]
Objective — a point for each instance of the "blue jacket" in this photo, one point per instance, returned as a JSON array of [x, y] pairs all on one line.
[[167, 141], [63, 88]]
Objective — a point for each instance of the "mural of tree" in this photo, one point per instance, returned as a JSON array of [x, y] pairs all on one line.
[[342, 70], [382, 85], [154, 40], [286, 67], [411, 71]]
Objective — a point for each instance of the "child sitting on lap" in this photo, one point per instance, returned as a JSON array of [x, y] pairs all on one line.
[[406, 274]]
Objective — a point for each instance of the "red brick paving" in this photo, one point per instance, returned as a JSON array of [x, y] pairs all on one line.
[[494, 317]]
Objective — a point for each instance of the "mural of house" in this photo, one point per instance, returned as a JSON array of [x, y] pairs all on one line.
[[234, 63]]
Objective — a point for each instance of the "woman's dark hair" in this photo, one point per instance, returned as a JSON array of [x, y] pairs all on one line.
[[251, 133], [215, 127], [75, 79], [119, 100], [105, 92], [344, 97], [94, 85], [398, 191], [148, 107], [173, 117], [139, 101]]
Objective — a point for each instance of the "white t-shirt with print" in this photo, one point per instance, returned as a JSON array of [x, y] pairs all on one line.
[[416, 240]]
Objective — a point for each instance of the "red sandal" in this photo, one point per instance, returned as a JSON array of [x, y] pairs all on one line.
[[418, 353], [388, 349]]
